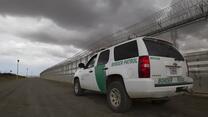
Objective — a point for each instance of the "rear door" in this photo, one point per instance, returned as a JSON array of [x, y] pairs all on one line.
[[125, 60], [167, 65]]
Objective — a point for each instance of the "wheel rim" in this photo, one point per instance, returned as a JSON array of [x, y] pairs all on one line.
[[76, 87], [115, 97]]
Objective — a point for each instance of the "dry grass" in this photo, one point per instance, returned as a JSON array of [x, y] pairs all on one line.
[[10, 77]]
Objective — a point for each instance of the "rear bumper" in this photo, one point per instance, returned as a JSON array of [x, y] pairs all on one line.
[[146, 88]]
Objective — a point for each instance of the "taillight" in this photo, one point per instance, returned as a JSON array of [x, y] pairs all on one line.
[[144, 67], [187, 68]]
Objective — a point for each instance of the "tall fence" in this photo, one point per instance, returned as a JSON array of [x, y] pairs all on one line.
[[198, 69], [65, 70], [180, 14], [197, 64], [175, 16]]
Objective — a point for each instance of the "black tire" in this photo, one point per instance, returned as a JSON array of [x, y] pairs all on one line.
[[123, 103], [78, 91]]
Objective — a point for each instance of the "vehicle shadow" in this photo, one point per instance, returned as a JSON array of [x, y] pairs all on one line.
[[145, 107], [178, 106]]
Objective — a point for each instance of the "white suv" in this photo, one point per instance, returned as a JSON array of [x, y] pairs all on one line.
[[144, 67]]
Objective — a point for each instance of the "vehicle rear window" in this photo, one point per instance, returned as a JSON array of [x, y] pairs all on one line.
[[163, 49], [125, 51]]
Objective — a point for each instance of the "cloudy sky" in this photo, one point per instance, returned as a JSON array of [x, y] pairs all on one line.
[[41, 33]]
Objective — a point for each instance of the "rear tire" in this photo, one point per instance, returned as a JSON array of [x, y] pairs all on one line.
[[117, 98], [78, 91]]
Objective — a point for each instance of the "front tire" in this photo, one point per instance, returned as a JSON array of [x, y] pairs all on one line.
[[78, 91], [117, 98]]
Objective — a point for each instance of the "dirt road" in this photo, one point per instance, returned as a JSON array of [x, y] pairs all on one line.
[[43, 98]]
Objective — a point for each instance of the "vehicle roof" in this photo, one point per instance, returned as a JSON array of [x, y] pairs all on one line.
[[143, 37]]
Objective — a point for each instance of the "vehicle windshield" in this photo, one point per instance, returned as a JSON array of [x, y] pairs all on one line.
[[163, 49]]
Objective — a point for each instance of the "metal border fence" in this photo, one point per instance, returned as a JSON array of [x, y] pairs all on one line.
[[198, 69], [177, 15]]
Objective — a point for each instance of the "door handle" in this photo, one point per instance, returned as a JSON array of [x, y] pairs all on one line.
[[90, 71], [105, 68]]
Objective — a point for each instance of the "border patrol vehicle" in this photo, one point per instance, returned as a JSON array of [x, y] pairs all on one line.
[[143, 67]]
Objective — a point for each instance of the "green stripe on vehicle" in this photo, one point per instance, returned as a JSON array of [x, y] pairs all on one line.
[[100, 75]]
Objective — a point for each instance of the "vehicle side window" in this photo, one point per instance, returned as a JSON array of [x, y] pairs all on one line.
[[91, 62], [125, 51], [104, 57]]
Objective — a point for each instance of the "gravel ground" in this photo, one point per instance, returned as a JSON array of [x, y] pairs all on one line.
[[43, 98]]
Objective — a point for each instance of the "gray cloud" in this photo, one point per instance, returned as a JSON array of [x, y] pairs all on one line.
[[73, 13], [76, 24], [194, 36], [80, 13], [43, 37], [101, 17]]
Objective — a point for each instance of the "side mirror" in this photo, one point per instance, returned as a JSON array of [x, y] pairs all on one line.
[[81, 65]]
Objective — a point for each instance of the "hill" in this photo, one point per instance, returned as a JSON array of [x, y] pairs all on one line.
[[9, 76]]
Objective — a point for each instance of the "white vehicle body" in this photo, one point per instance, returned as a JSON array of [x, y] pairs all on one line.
[[166, 77]]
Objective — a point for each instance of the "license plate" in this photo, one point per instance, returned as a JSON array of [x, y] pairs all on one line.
[[165, 80], [173, 70], [180, 79], [170, 80]]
